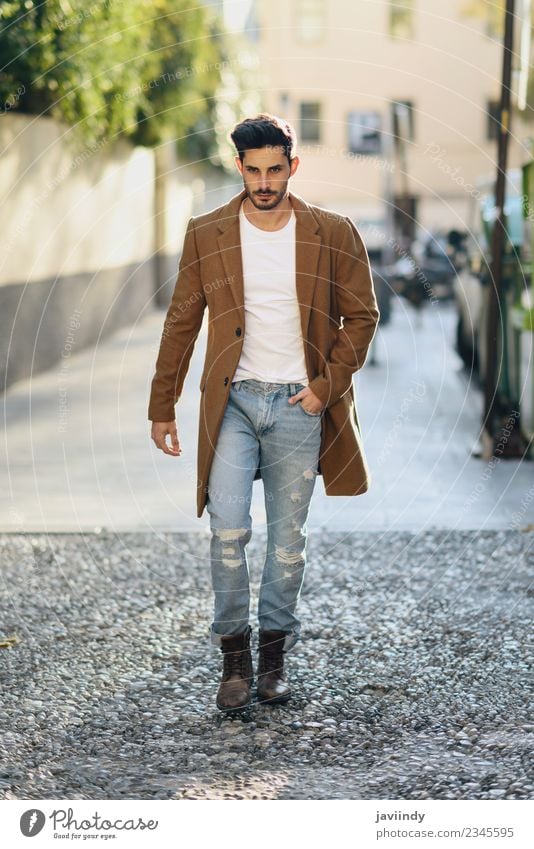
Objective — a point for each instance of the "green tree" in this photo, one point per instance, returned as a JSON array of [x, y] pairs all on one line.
[[183, 73], [112, 67]]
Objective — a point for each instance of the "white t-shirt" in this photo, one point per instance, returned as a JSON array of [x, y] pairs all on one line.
[[273, 349]]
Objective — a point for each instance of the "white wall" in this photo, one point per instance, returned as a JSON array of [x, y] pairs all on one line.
[[67, 211]]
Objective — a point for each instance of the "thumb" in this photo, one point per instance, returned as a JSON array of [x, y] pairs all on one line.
[[174, 438]]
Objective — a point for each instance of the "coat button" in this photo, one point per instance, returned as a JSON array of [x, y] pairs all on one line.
[[238, 331], [226, 381]]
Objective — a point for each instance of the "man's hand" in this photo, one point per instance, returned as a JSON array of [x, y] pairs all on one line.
[[159, 434], [313, 403]]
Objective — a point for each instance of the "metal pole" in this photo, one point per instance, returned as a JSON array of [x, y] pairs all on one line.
[[388, 254], [498, 234]]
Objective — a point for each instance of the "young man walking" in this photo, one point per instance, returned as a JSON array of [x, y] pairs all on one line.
[[292, 313]]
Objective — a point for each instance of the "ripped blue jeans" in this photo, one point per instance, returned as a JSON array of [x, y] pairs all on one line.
[[260, 427]]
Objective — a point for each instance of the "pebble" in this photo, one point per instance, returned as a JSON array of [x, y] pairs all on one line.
[[414, 689]]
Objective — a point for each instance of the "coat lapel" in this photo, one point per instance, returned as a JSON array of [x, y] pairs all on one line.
[[308, 246]]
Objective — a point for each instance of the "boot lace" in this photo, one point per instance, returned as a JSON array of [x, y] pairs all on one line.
[[234, 663], [272, 658]]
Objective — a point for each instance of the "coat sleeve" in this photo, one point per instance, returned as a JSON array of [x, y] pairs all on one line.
[[180, 330], [358, 307]]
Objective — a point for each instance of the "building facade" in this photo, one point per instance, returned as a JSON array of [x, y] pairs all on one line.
[[394, 105]]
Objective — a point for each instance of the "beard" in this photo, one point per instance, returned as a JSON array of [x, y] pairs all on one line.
[[266, 203]]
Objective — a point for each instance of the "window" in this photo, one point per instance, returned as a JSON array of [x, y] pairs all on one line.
[[493, 120], [402, 119], [401, 18], [310, 122], [310, 20], [364, 132], [491, 15], [284, 100]]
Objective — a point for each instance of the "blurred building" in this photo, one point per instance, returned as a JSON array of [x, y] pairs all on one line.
[[394, 105]]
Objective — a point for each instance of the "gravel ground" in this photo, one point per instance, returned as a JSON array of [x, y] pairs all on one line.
[[411, 679]]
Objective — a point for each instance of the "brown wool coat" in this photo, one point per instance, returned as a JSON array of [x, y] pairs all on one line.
[[333, 279]]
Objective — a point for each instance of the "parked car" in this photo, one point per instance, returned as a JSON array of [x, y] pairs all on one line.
[[472, 286], [426, 272]]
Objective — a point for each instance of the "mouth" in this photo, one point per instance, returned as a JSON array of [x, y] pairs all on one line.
[[264, 194]]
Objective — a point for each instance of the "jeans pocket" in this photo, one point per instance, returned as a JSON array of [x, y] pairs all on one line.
[[313, 415]]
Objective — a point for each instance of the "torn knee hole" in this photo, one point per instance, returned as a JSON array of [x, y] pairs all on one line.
[[230, 539], [229, 535], [288, 558]]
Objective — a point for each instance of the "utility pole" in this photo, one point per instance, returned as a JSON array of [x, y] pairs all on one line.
[[498, 241]]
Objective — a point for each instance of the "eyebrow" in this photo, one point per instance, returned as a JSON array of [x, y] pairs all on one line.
[[278, 165]]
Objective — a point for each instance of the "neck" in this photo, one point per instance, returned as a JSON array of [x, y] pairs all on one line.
[[269, 219]]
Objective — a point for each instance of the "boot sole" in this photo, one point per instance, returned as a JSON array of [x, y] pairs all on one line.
[[234, 709], [274, 700]]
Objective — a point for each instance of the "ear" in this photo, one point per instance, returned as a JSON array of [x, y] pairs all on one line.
[[239, 164], [294, 165]]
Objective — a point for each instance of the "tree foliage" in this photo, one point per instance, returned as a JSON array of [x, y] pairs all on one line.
[[144, 69]]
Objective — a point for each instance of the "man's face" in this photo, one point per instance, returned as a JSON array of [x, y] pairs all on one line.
[[266, 173]]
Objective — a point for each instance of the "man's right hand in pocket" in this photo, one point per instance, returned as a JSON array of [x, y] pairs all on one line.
[[160, 430]]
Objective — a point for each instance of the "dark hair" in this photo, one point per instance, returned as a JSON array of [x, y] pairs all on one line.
[[264, 130]]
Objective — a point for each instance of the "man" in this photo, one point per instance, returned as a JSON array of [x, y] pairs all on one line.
[[277, 399]]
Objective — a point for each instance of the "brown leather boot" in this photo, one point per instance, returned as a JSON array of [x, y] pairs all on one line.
[[272, 685], [237, 677]]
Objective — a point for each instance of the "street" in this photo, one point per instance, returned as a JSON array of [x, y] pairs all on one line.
[[410, 681]]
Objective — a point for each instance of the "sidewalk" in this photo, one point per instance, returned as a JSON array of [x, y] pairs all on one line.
[[79, 456]]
